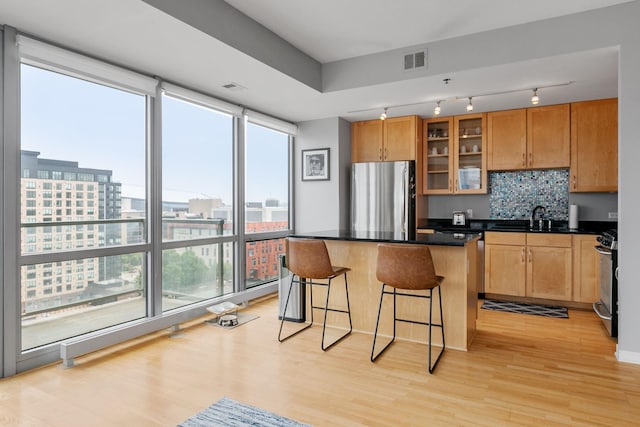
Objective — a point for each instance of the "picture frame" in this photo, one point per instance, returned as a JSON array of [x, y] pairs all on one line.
[[315, 165]]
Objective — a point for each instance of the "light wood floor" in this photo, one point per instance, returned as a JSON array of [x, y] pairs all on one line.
[[521, 370]]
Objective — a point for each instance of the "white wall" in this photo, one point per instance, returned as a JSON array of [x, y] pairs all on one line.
[[323, 205], [615, 26]]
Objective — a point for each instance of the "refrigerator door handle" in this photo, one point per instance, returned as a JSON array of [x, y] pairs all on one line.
[[404, 192]]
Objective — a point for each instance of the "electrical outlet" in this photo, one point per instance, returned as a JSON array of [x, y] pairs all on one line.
[[469, 213], [613, 215]]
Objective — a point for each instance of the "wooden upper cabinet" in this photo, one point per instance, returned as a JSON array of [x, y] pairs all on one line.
[[469, 154], [392, 139], [366, 141], [436, 155], [548, 137], [401, 137], [507, 140], [529, 138], [594, 146]]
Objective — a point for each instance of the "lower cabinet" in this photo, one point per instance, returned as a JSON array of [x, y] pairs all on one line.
[[505, 264], [586, 269], [536, 265]]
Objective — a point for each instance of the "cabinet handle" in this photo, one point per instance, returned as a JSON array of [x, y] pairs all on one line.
[[524, 163], [530, 257], [455, 188], [574, 182], [380, 156], [450, 185], [522, 253], [386, 153], [530, 158]]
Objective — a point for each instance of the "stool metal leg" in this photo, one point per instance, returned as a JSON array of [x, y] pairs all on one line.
[[430, 324], [441, 326], [375, 332], [327, 309], [286, 304]]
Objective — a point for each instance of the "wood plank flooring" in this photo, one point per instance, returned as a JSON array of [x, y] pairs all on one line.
[[521, 370]]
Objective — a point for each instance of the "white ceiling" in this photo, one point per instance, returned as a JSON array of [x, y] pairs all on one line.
[[134, 34]]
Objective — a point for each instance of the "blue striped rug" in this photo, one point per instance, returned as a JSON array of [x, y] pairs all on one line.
[[228, 412]]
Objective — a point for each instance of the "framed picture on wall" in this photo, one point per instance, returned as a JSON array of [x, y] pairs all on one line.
[[315, 165]]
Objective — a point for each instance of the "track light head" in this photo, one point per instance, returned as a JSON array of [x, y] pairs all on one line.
[[383, 116], [469, 106], [436, 111], [535, 99]]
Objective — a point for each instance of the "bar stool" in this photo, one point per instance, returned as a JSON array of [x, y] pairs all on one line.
[[308, 260], [409, 268]]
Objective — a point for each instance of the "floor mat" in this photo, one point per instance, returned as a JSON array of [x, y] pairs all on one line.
[[522, 308]]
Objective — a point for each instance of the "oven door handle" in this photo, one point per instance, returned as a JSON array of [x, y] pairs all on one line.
[[602, 250], [596, 308]]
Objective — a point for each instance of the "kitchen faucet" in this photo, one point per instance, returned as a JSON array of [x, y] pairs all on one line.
[[533, 216]]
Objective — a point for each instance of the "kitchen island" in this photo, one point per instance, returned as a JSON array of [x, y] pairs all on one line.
[[455, 256]]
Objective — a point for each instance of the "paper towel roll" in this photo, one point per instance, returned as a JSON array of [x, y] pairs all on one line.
[[573, 217]]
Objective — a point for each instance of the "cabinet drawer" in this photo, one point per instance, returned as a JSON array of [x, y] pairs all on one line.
[[499, 238], [551, 240]]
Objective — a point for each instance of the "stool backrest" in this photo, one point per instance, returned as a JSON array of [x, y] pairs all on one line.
[[406, 266], [308, 258]]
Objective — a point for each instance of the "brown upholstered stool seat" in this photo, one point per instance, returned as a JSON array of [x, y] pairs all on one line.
[[408, 267], [308, 261]]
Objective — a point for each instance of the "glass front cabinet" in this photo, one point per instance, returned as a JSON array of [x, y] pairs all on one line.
[[454, 160]]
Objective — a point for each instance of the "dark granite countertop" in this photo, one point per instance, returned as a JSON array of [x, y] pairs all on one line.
[[482, 225], [449, 239]]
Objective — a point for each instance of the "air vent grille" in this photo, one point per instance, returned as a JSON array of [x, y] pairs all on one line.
[[415, 60]]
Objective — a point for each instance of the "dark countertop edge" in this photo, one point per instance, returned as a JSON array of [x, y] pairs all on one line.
[[483, 225], [424, 239]]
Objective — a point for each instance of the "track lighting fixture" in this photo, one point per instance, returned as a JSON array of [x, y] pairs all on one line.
[[534, 98]]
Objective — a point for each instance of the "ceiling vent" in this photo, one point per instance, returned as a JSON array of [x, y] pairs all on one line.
[[415, 60], [234, 86]]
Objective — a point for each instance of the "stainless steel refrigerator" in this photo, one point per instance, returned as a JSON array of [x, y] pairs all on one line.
[[383, 198]]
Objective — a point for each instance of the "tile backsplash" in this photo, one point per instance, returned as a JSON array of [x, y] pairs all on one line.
[[512, 195]]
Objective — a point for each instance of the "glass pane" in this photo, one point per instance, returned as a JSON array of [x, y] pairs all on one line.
[[83, 169], [262, 261], [267, 180], [196, 273], [65, 299], [197, 171]]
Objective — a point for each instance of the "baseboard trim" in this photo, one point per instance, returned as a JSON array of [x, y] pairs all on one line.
[[628, 356]]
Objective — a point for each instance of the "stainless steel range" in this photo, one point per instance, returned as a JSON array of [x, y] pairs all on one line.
[[607, 307]]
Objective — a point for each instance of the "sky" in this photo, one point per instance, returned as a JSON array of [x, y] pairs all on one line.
[[65, 118]]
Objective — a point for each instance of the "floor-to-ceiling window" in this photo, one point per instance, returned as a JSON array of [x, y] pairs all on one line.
[[126, 192], [267, 181], [197, 201], [73, 187]]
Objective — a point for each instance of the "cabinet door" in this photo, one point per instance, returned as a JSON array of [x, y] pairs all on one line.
[[401, 136], [548, 141], [549, 272], [594, 146], [366, 141], [504, 270], [586, 269], [507, 140], [437, 157], [470, 162]]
